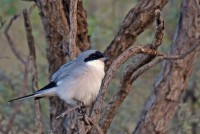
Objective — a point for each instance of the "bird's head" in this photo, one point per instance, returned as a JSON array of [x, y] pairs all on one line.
[[92, 55], [93, 58]]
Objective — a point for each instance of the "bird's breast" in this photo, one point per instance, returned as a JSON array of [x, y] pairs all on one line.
[[84, 86]]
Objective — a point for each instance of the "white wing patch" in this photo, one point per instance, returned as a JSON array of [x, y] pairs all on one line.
[[59, 82]]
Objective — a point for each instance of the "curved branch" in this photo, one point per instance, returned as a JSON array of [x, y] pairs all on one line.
[[10, 41], [110, 73], [124, 89], [138, 18]]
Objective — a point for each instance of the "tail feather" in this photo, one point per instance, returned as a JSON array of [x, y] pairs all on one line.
[[48, 90], [21, 98]]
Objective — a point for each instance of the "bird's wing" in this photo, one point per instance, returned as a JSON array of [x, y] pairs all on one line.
[[65, 71]]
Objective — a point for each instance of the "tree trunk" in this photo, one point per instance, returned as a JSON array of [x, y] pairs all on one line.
[[55, 18], [168, 88]]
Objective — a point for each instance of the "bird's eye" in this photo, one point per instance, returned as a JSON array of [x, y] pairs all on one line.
[[94, 56]]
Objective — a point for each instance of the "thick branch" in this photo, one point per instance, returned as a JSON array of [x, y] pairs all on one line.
[[110, 73], [82, 37], [138, 18], [126, 82], [55, 18], [163, 102]]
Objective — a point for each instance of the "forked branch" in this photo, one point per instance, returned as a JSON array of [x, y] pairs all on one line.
[[125, 87], [113, 68]]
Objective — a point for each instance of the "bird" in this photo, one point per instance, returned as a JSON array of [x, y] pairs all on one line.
[[78, 80]]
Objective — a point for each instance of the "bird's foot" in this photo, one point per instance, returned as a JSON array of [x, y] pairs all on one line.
[[82, 109]]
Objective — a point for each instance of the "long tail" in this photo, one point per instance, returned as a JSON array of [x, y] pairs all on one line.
[[24, 97], [48, 90]]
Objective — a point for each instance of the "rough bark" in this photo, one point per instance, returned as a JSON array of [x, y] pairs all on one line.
[[55, 19], [82, 38], [55, 27], [138, 18], [165, 97]]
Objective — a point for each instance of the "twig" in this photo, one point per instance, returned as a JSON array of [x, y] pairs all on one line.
[[125, 87], [2, 22], [25, 73], [31, 8], [161, 58], [10, 41], [73, 29], [31, 45], [94, 124], [21, 93], [110, 73], [68, 111]]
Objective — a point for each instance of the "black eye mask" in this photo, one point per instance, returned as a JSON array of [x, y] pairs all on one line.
[[94, 56]]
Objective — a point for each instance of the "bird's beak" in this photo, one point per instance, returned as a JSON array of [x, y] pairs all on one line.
[[105, 58]]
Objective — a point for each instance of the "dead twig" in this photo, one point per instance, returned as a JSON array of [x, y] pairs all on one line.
[[26, 69], [68, 111], [25, 63], [32, 55], [16, 108], [161, 58], [11, 42], [2, 22], [94, 124], [73, 29]]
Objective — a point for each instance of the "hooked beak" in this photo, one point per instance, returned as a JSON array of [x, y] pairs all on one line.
[[105, 58]]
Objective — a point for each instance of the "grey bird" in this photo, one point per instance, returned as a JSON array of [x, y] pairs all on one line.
[[79, 79]]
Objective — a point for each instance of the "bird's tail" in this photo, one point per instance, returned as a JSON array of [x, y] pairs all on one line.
[[24, 97], [38, 94]]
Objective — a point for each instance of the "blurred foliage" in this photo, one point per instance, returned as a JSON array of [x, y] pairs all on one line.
[[104, 19]]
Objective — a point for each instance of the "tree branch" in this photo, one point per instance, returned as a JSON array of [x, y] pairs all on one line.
[[110, 73], [73, 29], [24, 86], [32, 56], [2, 22], [126, 82], [10, 41], [138, 18], [172, 81]]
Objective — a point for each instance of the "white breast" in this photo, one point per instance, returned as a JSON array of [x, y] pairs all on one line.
[[86, 87]]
